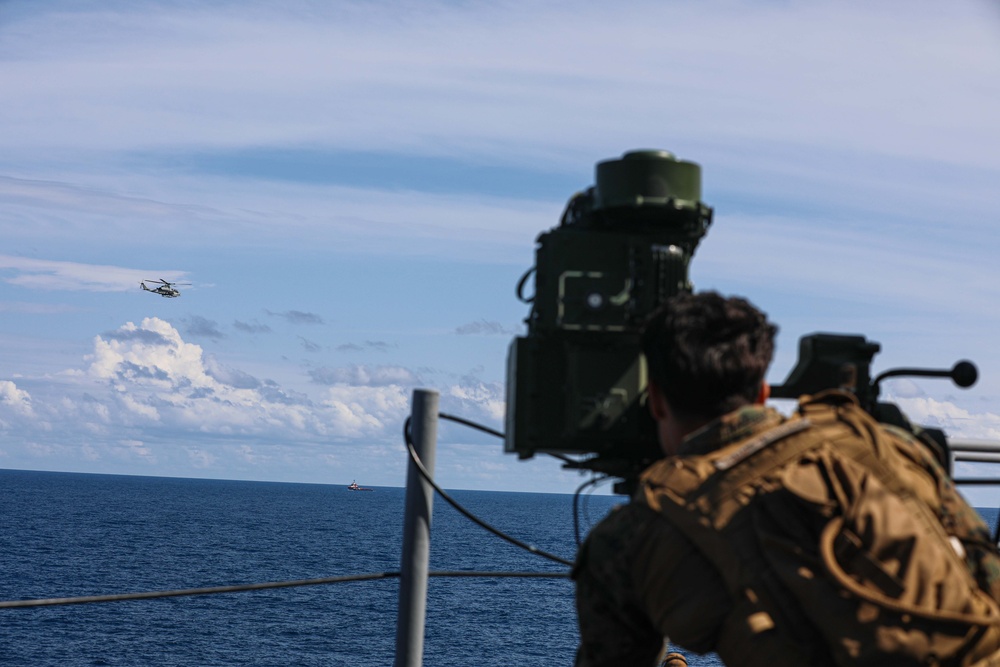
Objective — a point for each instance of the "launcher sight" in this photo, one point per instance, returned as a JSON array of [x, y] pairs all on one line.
[[576, 382]]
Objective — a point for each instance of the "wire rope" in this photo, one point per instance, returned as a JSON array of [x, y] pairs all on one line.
[[485, 429], [472, 424], [464, 512], [499, 434], [594, 481], [216, 590]]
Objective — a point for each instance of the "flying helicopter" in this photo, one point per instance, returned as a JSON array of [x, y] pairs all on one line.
[[165, 288]]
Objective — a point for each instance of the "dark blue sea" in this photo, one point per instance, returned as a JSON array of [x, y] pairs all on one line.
[[74, 534], [65, 535]]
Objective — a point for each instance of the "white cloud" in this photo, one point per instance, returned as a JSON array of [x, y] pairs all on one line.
[[146, 391], [14, 399], [160, 378], [484, 399], [959, 423], [164, 358], [367, 410]]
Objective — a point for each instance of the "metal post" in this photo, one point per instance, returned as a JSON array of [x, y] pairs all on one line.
[[416, 533]]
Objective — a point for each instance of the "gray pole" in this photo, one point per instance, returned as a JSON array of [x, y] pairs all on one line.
[[416, 533]]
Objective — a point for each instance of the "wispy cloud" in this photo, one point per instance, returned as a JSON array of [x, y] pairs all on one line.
[[251, 327], [366, 346], [362, 375], [202, 327], [30, 194], [37, 308], [309, 346], [298, 317], [484, 327], [61, 275], [467, 89]]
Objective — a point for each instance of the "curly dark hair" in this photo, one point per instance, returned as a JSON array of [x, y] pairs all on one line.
[[708, 354]]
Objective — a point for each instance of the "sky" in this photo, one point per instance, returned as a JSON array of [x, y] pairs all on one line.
[[353, 189]]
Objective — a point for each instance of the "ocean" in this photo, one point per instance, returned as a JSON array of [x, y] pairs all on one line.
[[67, 534], [77, 534]]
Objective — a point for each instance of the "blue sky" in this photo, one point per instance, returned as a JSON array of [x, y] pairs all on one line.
[[354, 189]]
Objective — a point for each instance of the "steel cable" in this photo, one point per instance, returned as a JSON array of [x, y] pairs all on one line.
[[215, 590], [466, 513]]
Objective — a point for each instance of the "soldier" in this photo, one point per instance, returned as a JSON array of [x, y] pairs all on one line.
[[820, 539]]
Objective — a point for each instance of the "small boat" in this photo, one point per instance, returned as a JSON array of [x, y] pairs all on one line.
[[353, 486]]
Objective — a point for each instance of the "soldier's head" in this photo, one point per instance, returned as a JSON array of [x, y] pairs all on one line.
[[707, 355]]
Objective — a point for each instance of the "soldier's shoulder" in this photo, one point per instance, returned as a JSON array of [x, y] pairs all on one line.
[[619, 531], [624, 519]]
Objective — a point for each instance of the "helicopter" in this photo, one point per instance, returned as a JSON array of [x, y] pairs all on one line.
[[165, 289]]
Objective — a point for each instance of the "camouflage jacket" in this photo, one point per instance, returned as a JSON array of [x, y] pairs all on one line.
[[639, 579]]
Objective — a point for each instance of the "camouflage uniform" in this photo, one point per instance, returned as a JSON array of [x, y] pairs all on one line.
[[640, 579]]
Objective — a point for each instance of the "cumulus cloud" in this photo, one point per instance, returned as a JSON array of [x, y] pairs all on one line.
[[477, 399], [173, 382], [956, 421], [367, 411], [148, 397], [16, 400], [159, 381]]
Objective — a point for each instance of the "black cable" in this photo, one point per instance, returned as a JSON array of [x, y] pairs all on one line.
[[519, 291], [594, 481], [466, 513], [215, 590], [472, 424], [499, 434]]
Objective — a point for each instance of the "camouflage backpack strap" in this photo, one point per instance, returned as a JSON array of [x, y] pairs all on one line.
[[699, 494], [840, 541]]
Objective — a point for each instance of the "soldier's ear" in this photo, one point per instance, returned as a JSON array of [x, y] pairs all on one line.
[[765, 393]]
